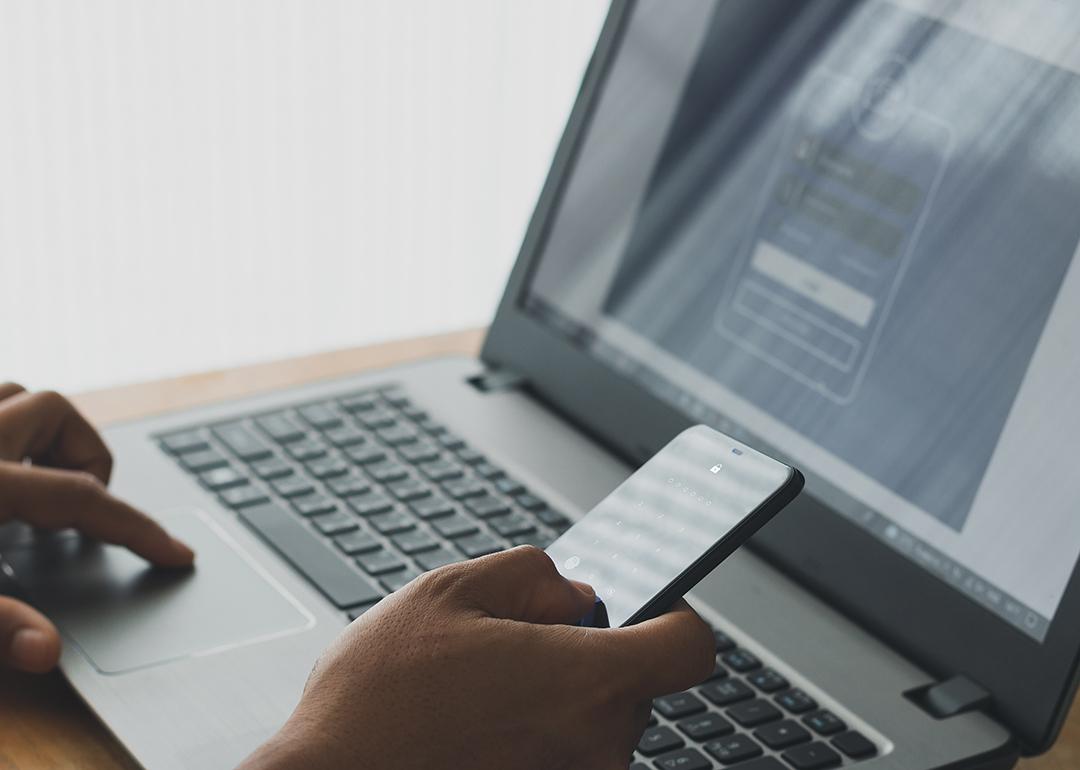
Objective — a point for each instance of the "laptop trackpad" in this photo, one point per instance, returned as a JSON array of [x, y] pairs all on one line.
[[124, 615]]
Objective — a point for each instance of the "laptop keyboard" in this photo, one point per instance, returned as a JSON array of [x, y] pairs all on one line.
[[747, 716], [363, 492]]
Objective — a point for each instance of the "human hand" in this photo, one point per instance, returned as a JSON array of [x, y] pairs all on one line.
[[63, 486], [468, 666]]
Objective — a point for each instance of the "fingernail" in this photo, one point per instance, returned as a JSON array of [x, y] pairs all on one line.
[[27, 647], [183, 551]]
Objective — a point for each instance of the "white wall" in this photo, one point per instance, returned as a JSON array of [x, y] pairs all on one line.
[[189, 184]]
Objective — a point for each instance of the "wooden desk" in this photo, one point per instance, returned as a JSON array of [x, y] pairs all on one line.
[[43, 723]]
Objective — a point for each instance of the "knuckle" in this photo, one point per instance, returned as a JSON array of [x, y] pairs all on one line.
[[14, 387], [534, 558], [441, 582], [52, 402], [84, 485]]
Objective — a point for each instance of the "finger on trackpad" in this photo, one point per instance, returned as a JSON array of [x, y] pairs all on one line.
[[123, 614]]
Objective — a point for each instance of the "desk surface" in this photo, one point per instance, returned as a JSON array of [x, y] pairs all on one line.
[[43, 723]]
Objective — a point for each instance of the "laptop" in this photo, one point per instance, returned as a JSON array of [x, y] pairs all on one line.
[[842, 232]]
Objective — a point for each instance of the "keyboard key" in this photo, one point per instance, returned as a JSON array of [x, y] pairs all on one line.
[[726, 691], [242, 442], [796, 701], [347, 486], [280, 427], [705, 726], [432, 507], [552, 518], [762, 763], [430, 426], [467, 455], [854, 744], [361, 402], [334, 523], [182, 443], [812, 756], [370, 504], [509, 486], [391, 522], [398, 434], [313, 556], [539, 539], [734, 748], [480, 544], [487, 505], [824, 722], [203, 460], [395, 396], [781, 735], [683, 759], [464, 488], [354, 612], [306, 449], [530, 502], [512, 524], [752, 713], [741, 660], [222, 478], [450, 441], [380, 562], [376, 418], [366, 454], [437, 558], [419, 452], [455, 525], [313, 505], [387, 471], [413, 412], [678, 705], [723, 641], [320, 416], [242, 497], [657, 740], [487, 470], [395, 581], [346, 435], [274, 468], [718, 672], [292, 486], [767, 680], [327, 468], [410, 489], [357, 541], [442, 470], [414, 542], [639, 766]]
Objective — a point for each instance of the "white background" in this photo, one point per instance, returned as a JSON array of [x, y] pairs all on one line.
[[197, 184]]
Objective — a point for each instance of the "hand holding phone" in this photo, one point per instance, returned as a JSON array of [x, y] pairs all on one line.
[[672, 522]]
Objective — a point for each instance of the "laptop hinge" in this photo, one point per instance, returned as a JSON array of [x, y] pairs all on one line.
[[495, 380], [949, 698]]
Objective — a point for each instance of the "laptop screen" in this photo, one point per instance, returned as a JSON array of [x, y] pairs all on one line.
[[844, 232]]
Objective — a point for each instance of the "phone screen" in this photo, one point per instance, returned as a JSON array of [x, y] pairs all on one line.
[[688, 498]]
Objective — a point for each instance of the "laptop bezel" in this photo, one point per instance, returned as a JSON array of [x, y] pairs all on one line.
[[1032, 684]]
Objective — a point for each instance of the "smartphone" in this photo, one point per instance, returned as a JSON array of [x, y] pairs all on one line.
[[672, 522]]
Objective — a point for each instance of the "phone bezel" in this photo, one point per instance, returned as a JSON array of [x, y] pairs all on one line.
[[700, 568]]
